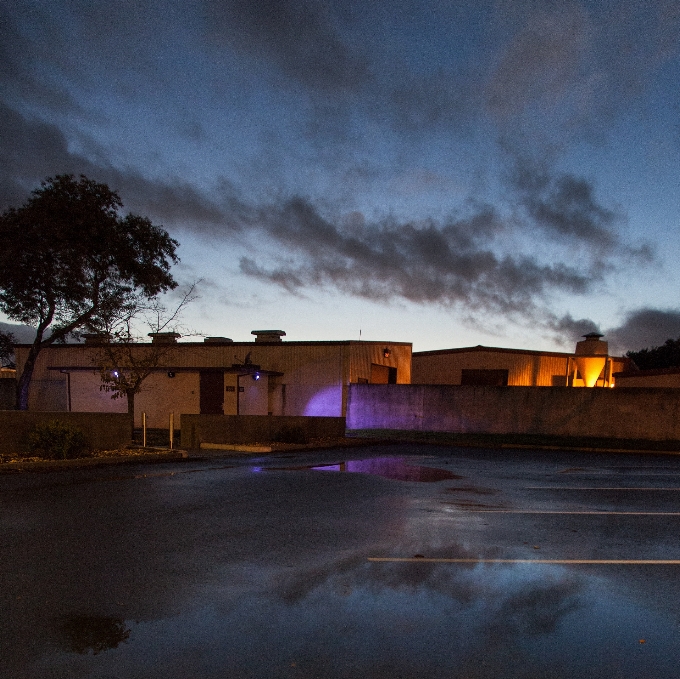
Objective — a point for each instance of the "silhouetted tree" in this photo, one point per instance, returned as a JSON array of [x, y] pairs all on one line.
[[69, 260], [6, 349], [665, 356], [123, 360]]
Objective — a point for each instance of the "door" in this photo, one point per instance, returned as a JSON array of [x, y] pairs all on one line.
[[383, 374], [212, 392]]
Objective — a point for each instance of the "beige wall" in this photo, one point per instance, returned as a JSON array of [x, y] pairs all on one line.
[[314, 381]]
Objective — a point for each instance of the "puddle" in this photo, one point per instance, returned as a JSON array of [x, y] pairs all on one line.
[[388, 467], [474, 490]]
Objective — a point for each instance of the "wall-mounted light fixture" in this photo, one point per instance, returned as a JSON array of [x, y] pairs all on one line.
[[386, 352], [171, 373], [256, 376]]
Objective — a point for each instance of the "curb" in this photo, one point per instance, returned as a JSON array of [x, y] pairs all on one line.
[[91, 462]]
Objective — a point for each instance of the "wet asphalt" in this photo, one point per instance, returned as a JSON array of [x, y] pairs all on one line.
[[387, 561]]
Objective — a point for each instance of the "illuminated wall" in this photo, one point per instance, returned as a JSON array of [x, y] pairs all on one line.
[[525, 368]]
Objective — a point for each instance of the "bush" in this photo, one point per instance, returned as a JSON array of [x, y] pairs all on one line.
[[57, 440], [291, 435]]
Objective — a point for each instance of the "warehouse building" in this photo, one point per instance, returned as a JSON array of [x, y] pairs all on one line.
[[590, 365], [216, 376]]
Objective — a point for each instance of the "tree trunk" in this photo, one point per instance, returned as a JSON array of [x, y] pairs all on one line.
[[25, 380]]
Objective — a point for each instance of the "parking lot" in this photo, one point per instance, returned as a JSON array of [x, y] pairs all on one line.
[[384, 561]]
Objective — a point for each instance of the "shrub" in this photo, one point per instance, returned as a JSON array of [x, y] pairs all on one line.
[[57, 440], [291, 435]]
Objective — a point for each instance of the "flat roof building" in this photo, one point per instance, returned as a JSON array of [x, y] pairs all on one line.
[[494, 366], [216, 376]]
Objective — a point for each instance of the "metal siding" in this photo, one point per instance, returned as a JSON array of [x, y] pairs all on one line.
[[523, 369]]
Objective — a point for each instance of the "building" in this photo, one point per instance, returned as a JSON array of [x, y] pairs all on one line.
[[493, 366], [668, 378], [216, 376]]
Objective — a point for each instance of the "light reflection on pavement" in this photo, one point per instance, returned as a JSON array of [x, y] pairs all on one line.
[[223, 571]]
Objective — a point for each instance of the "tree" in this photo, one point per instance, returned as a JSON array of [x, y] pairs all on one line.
[[6, 349], [665, 356], [70, 260], [123, 361]]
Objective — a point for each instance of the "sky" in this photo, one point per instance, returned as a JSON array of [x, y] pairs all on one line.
[[443, 173]]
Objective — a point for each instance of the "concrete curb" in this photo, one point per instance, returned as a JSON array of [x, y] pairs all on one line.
[[91, 462]]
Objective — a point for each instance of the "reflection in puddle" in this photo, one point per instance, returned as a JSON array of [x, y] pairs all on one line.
[[85, 633], [391, 468], [434, 621]]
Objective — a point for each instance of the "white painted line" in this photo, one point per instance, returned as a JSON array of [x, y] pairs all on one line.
[[557, 511], [605, 562], [596, 488]]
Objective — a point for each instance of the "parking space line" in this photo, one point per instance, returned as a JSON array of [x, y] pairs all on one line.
[[558, 562], [675, 489], [560, 511]]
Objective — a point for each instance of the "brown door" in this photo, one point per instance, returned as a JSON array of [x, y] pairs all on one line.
[[383, 374], [212, 392]]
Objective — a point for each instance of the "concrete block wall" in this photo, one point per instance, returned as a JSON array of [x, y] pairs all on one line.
[[650, 414], [103, 431], [197, 429]]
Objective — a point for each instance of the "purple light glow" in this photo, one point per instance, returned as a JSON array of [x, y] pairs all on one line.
[[390, 468], [325, 403]]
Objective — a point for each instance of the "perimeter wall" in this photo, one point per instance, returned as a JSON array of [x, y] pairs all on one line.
[[652, 414], [103, 431], [197, 429]]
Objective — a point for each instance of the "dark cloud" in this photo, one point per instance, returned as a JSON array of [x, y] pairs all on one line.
[[451, 263], [562, 204], [301, 37], [643, 329], [542, 63], [22, 72], [31, 150], [568, 330]]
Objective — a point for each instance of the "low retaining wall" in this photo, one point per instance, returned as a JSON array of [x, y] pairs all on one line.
[[8, 394], [197, 429], [103, 431], [650, 414]]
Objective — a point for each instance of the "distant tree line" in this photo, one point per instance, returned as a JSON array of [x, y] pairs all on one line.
[[665, 356]]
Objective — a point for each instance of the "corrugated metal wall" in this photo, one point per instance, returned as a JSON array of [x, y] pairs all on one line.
[[523, 369]]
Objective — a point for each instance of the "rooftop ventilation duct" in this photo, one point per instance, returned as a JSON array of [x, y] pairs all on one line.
[[268, 335], [164, 337], [94, 338]]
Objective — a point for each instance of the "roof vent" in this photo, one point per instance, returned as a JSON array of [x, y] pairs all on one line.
[[218, 340], [268, 335], [164, 337], [96, 338]]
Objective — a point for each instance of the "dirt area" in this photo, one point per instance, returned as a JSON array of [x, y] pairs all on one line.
[[133, 453]]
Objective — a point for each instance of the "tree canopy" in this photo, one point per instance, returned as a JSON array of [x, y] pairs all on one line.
[[70, 261], [6, 349], [665, 356]]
